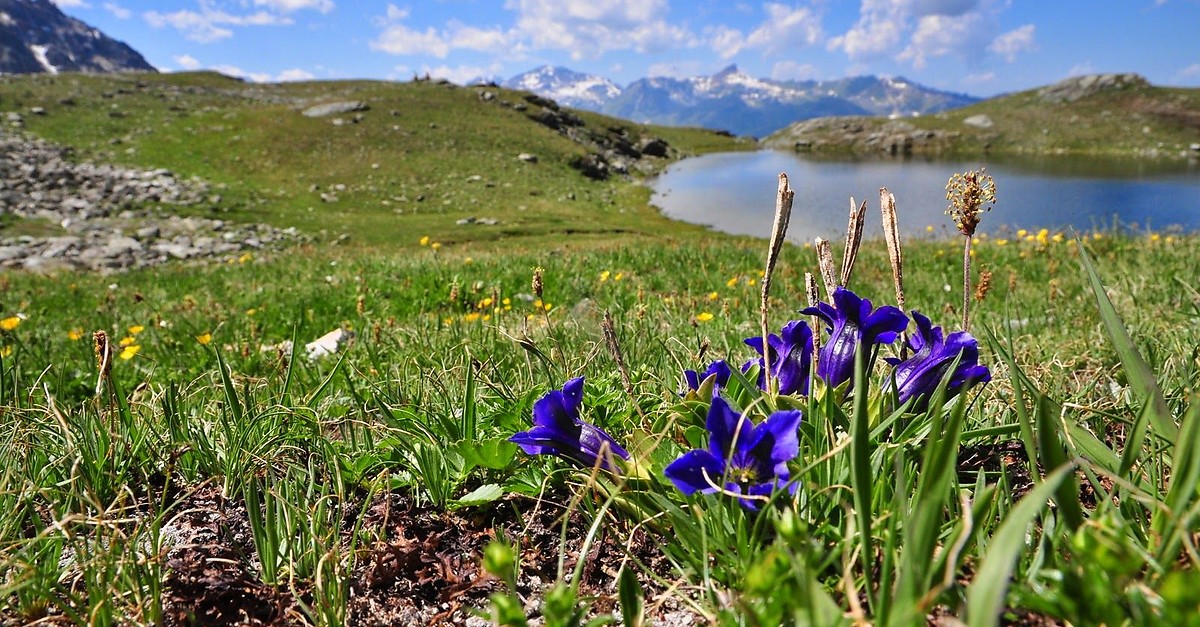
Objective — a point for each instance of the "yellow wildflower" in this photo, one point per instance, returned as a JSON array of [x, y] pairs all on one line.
[[128, 340], [713, 296], [245, 258], [5, 351], [75, 334], [471, 317], [704, 316], [435, 245], [1001, 242], [251, 311], [128, 352], [547, 306], [424, 240], [1021, 233], [10, 323], [204, 338], [731, 282], [1154, 237], [618, 276], [1058, 237], [928, 228], [1043, 236], [604, 276], [137, 328]]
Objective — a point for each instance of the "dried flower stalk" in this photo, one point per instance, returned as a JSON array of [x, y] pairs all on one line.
[[825, 263], [813, 296], [783, 215], [104, 356], [854, 232], [891, 234]]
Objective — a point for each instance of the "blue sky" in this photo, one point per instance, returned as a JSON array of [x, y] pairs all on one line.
[[981, 47]]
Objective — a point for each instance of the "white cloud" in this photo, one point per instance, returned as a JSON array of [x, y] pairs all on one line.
[[491, 40], [589, 28], [118, 11], [237, 72], [793, 71], [786, 29], [72, 4], [919, 30], [187, 62], [210, 24], [463, 74], [287, 6], [1191, 71], [941, 35], [1014, 42], [879, 29], [727, 42], [295, 74]]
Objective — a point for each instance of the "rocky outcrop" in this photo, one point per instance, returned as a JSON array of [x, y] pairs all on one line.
[[1080, 87], [111, 218], [612, 150], [860, 135]]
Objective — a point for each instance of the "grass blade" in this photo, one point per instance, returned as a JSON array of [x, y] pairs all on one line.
[[1141, 377], [986, 594]]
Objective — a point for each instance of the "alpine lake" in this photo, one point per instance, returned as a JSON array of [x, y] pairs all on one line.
[[735, 193]]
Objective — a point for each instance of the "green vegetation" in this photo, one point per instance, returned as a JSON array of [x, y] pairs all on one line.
[[378, 483], [1137, 120]]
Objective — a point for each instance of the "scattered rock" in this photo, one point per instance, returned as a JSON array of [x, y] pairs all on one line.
[[333, 108], [329, 343], [979, 121], [527, 157], [97, 205], [474, 220], [653, 146]]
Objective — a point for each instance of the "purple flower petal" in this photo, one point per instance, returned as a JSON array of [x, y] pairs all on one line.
[[924, 370], [696, 471], [557, 430], [726, 428], [852, 322]]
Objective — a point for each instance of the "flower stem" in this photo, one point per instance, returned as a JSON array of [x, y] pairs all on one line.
[[966, 312]]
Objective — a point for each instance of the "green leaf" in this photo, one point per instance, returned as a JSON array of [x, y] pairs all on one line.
[[495, 454], [485, 493], [1052, 455], [1140, 376], [985, 596], [633, 601]]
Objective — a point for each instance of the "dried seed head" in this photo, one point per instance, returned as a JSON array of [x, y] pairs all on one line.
[[360, 304], [537, 281], [454, 291], [103, 353], [968, 192], [985, 284]]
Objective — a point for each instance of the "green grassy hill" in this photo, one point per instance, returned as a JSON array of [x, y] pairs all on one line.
[[1105, 115], [422, 157]]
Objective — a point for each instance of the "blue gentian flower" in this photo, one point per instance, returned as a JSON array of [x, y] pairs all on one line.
[[557, 430], [852, 322], [742, 458], [933, 354], [790, 354], [718, 367]]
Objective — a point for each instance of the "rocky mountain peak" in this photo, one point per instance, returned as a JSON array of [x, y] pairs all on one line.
[[36, 37]]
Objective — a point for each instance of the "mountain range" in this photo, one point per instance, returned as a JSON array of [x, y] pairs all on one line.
[[734, 101], [36, 37]]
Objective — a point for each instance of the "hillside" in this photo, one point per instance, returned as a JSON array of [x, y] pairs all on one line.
[[1104, 115], [401, 161]]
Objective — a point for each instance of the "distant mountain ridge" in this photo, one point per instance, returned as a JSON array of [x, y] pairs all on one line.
[[734, 101], [36, 37]]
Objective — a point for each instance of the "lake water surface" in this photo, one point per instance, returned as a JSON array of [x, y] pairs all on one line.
[[735, 193]]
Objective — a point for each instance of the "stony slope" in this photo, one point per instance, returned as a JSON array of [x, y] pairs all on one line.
[[1106, 114]]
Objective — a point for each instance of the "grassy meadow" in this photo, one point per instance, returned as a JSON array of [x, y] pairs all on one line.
[[207, 475]]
